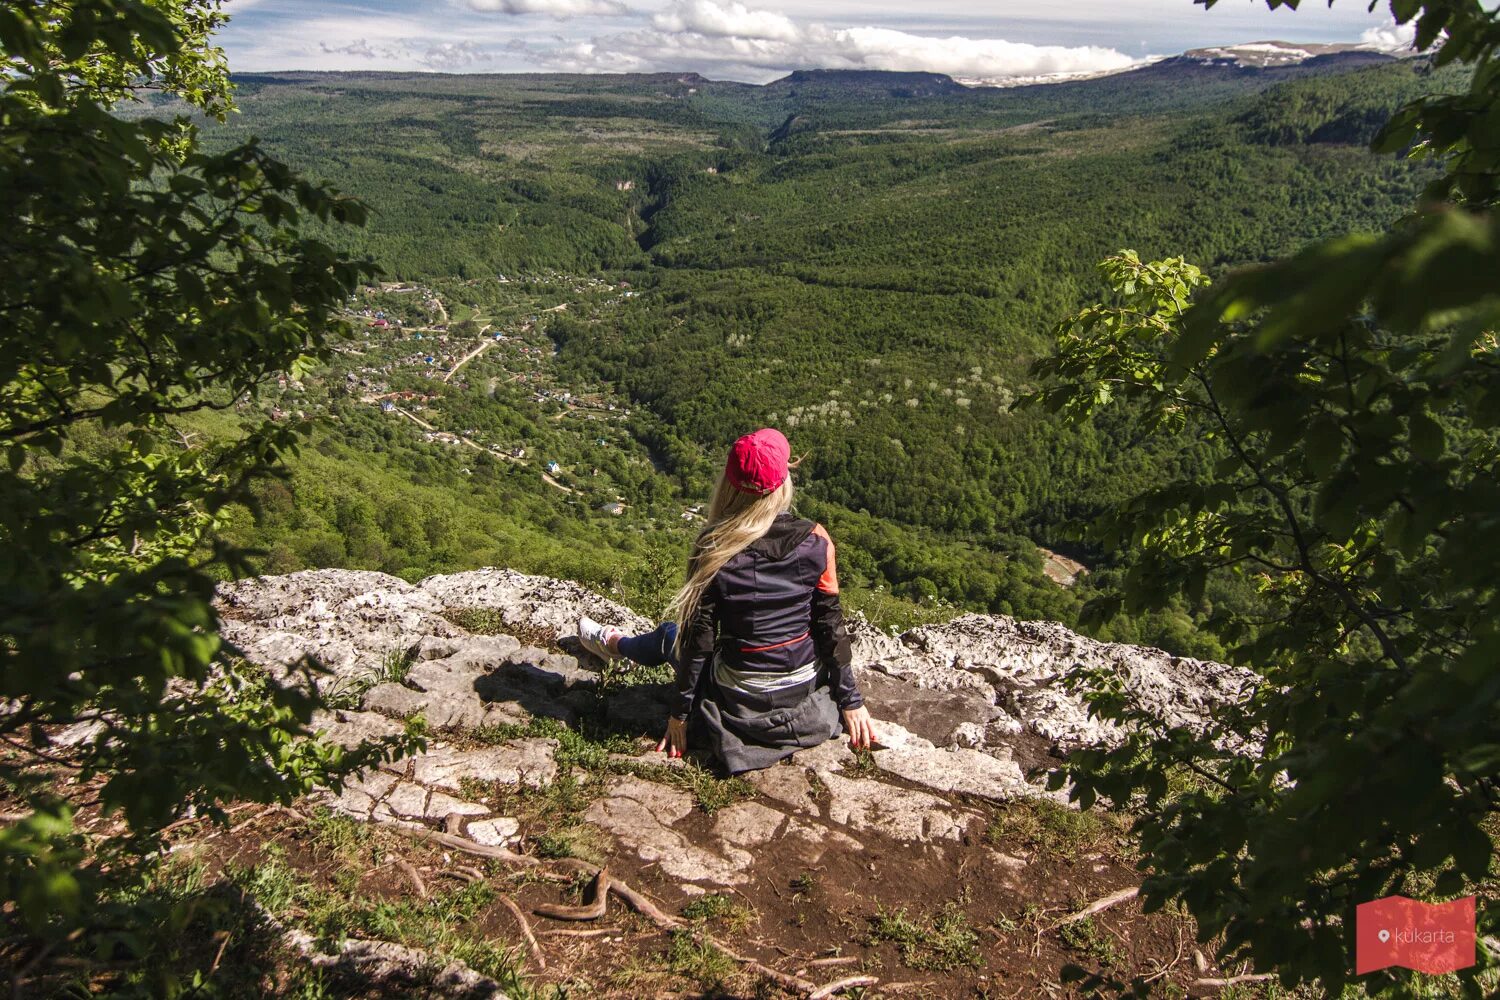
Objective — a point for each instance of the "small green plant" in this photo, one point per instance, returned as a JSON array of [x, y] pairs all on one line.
[[652, 581], [272, 882], [890, 613], [310, 983], [940, 944], [576, 746], [721, 909], [620, 673], [1085, 937], [713, 793], [395, 664], [699, 961], [709, 791], [1048, 828], [349, 692], [864, 765], [479, 621], [553, 845], [438, 924], [474, 789], [339, 835], [581, 841]]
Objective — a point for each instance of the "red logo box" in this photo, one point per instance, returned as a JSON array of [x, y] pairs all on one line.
[[1427, 937]]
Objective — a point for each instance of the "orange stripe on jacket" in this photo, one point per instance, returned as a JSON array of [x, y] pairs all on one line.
[[774, 645], [828, 583]]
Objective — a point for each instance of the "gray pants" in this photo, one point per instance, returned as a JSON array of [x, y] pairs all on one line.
[[747, 732]]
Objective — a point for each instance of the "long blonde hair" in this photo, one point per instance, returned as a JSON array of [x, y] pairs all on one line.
[[735, 520]]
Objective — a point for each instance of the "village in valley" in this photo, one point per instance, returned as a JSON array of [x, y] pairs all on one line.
[[470, 371]]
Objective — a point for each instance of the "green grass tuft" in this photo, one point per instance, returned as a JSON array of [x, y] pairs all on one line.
[[1085, 937], [718, 908], [1050, 829], [699, 961], [939, 944]]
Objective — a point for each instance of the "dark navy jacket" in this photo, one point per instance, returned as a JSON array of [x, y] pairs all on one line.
[[774, 607]]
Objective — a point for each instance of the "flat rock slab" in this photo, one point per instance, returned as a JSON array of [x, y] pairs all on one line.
[[502, 831], [443, 711], [529, 667], [530, 762], [751, 825], [971, 682], [965, 772], [747, 824], [361, 793], [788, 786], [962, 709], [641, 814], [350, 729], [410, 801], [898, 813], [934, 715], [537, 603], [349, 620]]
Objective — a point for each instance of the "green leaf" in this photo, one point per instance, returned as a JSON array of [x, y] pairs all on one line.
[[1472, 849], [1324, 445], [1426, 435]]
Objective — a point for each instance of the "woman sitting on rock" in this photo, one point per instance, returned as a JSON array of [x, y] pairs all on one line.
[[759, 645]]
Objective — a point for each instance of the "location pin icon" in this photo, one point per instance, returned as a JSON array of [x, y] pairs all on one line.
[[1384, 935]]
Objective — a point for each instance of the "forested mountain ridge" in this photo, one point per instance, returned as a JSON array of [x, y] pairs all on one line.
[[875, 278]]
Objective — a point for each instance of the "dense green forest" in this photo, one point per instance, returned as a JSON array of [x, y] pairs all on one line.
[[869, 261]]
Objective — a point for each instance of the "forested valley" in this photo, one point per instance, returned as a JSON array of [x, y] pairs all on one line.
[[869, 261]]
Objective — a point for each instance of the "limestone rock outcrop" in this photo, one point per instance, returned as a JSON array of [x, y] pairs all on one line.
[[967, 713]]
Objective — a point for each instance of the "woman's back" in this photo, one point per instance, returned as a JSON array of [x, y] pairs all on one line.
[[765, 597], [762, 658]]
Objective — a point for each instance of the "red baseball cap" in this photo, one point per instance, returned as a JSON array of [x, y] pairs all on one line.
[[758, 462]]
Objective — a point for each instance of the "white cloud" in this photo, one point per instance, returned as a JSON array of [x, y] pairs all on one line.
[[407, 53], [452, 56], [730, 20], [759, 40], [362, 48], [986, 58], [727, 37], [560, 9], [1390, 37]]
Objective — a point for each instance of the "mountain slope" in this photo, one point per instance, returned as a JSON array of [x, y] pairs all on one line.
[[875, 278]]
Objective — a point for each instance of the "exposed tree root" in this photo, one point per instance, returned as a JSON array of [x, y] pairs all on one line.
[[638, 902], [592, 911], [1098, 906], [1219, 984], [832, 989], [457, 843], [413, 876], [823, 963], [531, 941]]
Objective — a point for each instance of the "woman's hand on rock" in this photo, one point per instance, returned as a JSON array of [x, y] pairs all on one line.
[[860, 727], [675, 742]]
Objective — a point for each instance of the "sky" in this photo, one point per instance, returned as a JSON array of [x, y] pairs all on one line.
[[760, 40]]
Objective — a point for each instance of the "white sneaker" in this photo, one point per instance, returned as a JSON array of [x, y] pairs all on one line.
[[595, 637]]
